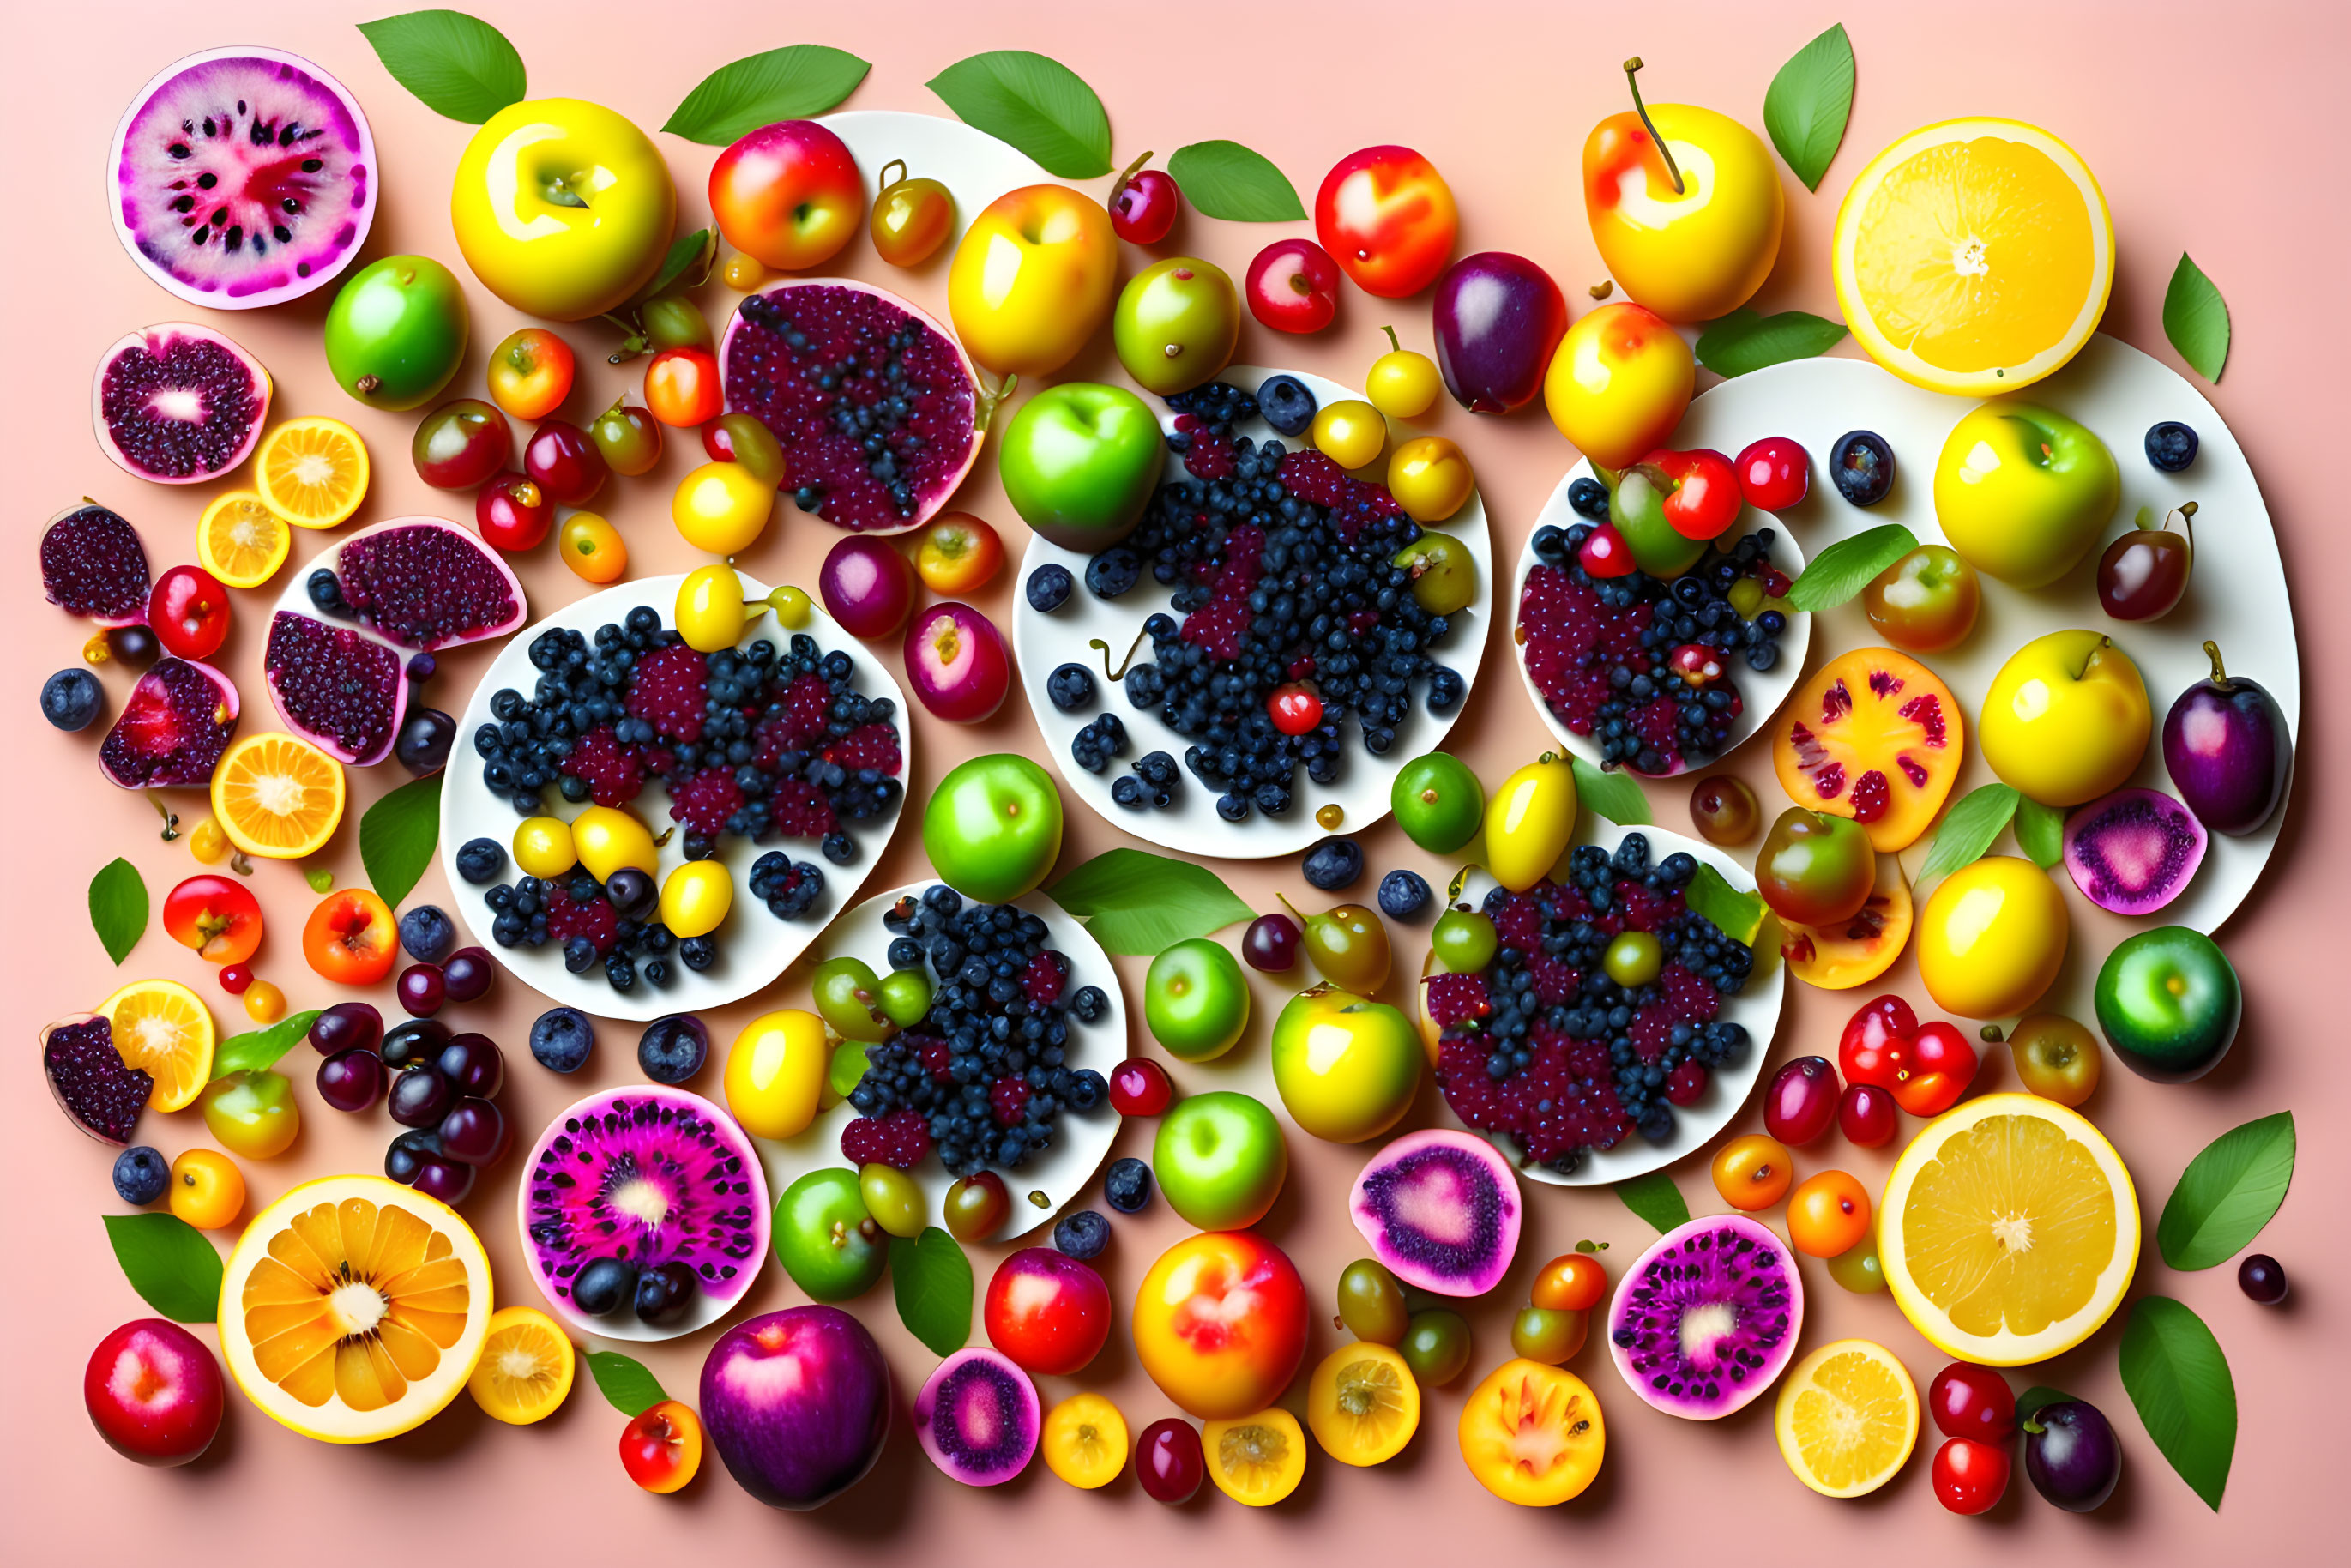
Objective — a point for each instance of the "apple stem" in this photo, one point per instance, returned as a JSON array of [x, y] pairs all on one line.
[[2220, 674], [1127, 173], [882, 182], [1632, 68], [1099, 646], [1394, 346]]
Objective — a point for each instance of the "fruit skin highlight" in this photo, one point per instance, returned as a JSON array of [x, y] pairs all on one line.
[[797, 1404], [562, 208], [154, 1392], [1220, 1323]]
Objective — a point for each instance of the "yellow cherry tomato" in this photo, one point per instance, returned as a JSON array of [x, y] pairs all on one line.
[[253, 1113], [911, 218], [592, 547], [543, 846], [1529, 821], [207, 1189], [1084, 1441], [791, 607], [264, 1003], [1991, 937], [1753, 1172], [709, 614], [605, 839], [1350, 433], [776, 1072], [208, 842], [744, 273], [1403, 385], [721, 507], [1618, 383], [696, 897], [1429, 478]]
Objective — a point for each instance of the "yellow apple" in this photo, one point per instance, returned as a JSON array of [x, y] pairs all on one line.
[[1033, 279], [562, 208], [2066, 718]]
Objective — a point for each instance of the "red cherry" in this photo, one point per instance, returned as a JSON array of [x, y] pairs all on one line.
[[1970, 1477], [1696, 663], [1293, 286], [513, 513], [189, 611], [1605, 553], [235, 978], [1865, 1116], [1705, 499], [1139, 1087], [1774, 474], [1295, 708], [1971, 1401], [1143, 205]]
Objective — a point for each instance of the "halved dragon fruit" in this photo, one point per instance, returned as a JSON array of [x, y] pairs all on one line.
[[1707, 1317], [336, 686], [173, 729], [878, 412], [242, 177], [176, 402], [427, 584], [93, 565], [100, 1092], [2135, 851]]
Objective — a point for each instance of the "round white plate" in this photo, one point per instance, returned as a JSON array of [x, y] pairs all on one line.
[[754, 946], [1761, 693], [709, 1305], [1757, 1008], [1189, 824], [2236, 596], [1059, 1174]]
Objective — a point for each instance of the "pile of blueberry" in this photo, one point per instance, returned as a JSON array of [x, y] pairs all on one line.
[[595, 923], [982, 1079]]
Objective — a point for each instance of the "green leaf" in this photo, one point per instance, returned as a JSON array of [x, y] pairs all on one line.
[[2040, 832], [1140, 904], [686, 251], [462, 68], [1848, 566], [630, 1387], [1039, 105], [2179, 1381], [257, 1051], [397, 836], [2038, 1398], [1739, 915], [1808, 104], [1657, 1199], [118, 907], [932, 1279], [2227, 1194], [2196, 320], [1610, 792], [1743, 341], [1969, 828], [169, 1263], [796, 82], [1226, 180]]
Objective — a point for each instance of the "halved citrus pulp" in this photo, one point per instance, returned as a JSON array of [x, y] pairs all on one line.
[[2007, 1230], [354, 1309], [165, 1028], [1363, 1404], [526, 1369], [1256, 1459], [1847, 1418], [1974, 257], [278, 796], [312, 472], [240, 541]]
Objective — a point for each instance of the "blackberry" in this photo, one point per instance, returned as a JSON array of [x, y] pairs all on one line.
[[1127, 1187], [2171, 446], [1083, 1234], [1284, 404], [786, 886], [1404, 895], [1049, 588], [1332, 864], [481, 861], [1114, 573], [1071, 687], [1589, 498]]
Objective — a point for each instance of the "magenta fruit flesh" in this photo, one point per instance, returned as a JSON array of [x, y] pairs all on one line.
[[178, 403], [173, 729], [2133, 851], [797, 1404], [336, 687], [978, 1417], [93, 1084], [94, 566], [426, 584], [1441, 1210], [1707, 1317]]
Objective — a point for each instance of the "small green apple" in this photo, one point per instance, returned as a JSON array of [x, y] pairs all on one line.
[[1079, 464], [1347, 1067], [2169, 1002], [1221, 1160], [1195, 999], [993, 827], [1176, 324], [2022, 492], [396, 331]]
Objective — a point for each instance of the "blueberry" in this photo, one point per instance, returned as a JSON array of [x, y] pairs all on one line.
[[1128, 1186], [1589, 498], [906, 953], [1862, 466], [141, 1176], [1333, 863], [605, 1286], [1083, 1234], [1072, 687], [1284, 404], [427, 933], [72, 699], [2171, 447], [674, 1046], [1087, 1090], [1049, 588], [579, 955], [327, 592], [1113, 573], [1404, 895], [1127, 790], [1089, 1003], [481, 860], [561, 1039]]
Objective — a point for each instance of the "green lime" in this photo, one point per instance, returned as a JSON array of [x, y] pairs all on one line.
[[1438, 802], [825, 1239]]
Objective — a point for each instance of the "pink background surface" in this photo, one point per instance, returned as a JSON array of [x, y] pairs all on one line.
[[2217, 133]]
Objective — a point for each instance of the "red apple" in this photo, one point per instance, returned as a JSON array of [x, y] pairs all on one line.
[[788, 194], [154, 1392], [1293, 286]]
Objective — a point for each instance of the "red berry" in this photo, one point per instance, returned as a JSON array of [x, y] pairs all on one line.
[[1144, 207], [189, 611], [1295, 708], [235, 978], [1865, 1117], [1696, 665], [1705, 499], [1292, 286], [1605, 553], [1169, 1461], [1139, 1087], [1970, 1477], [1774, 474], [1971, 1401]]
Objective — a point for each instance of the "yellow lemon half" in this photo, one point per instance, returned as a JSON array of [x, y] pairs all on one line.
[[1847, 1418]]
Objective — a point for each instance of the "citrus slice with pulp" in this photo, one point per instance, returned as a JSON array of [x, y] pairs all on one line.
[[1974, 256], [1363, 1404], [1875, 735], [354, 1309], [1847, 1418], [278, 796], [1256, 1459], [240, 541], [525, 1368], [312, 472], [2007, 1230], [163, 1027]]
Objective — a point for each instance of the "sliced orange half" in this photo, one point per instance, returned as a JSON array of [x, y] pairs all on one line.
[[278, 796], [1847, 1418], [163, 1027], [526, 1369], [240, 541], [312, 472]]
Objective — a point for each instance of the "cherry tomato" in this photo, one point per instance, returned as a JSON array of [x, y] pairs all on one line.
[[1295, 708], [661, 1448], [629, 437], [912, 217], [1925, 602], [1571, 1282], [216, 916], [1701, 495], [1865, 1116], [2056, 1057], [741, 438], [512, 512], [530, 373], [1971, 1401], [1774, 474], [207, 1189], [1606, 553], [592, 547], [351, 940], [1753, 1172], [682, 387], [190, 612], [1828, 1214], [1970, 1477], [959, 554], [1926, 1067], [1387, 216]]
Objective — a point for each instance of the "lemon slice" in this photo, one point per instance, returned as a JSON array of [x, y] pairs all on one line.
[[240, 541], [278, 796], [2009, 1230], [1974, 257], [312, 472], [163, 1027], [526, 1369], [1847, 1418]]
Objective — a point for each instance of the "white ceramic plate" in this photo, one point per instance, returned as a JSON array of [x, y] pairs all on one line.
[[1189, 824], [1761, 693], [754, 946], [1757, 1008], [1061, 1173]]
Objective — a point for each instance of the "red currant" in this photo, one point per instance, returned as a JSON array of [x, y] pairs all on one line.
[[1774, 474], [1971, 1401], [1970, 1477], [1606, 553], [235, 978], [1696, 663], [1865, 1116], [1139, 1087], [1295, 709]]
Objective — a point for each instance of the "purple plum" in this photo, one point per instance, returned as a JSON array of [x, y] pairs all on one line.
[[2072, 1456], [1498, 318], [2226, 745], [797, 1403]]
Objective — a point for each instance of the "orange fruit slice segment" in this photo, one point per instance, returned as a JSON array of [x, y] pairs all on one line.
[[1875, 735], [165, 1028], [1837, 959], [240, 540], [526, 1369], [1847, 1418], [278, 796], [312, 472]]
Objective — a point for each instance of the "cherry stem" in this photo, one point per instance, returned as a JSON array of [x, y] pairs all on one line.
[[2219, 675], [1394, 346], [2185, 513], [1099, 646], [1127, 173], [1632, 68], [883, 181]]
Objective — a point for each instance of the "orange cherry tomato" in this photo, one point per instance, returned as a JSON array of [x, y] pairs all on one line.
[[1571, 1282], [682, 387], [959, 554], [530, 373], [1753, 1172], [216, 916], [1829, 1214], [351, 938], [592, 547]]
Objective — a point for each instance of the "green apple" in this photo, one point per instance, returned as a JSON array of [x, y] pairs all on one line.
[[993, 827], [1176, 324], [1195, 999], [1079, 462], [1221, 1160], [1347, 1067], [2170, 1003], [2066, 719], [396, 331], [825, 1238], [2022, 492]]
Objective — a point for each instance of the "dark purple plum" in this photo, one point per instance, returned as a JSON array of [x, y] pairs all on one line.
[[1498, 317], [418, 1040], [797, 1403], [473, 1065], [444, 1179], [351, 1080], [347, 1026], [467, 975], [2228, 750], [475, 1133], [421, 1097], [2072, 1456]]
